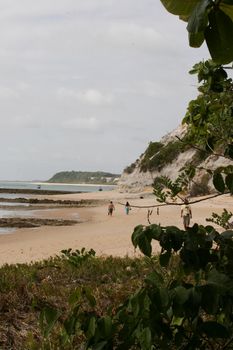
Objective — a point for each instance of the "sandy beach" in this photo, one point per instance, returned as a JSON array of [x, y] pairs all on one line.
[[106, 235]]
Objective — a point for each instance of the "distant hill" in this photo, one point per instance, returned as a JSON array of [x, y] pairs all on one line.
[[87, 177]]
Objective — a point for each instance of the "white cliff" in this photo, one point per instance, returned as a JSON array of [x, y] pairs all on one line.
[[136, 179]]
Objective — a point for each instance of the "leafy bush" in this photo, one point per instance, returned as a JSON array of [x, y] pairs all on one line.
[[43, 291], [222, 220], [185, 302], [77, 257], [129, 169]]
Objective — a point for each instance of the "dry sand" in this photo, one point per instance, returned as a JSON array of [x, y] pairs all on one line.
[[106, 235]]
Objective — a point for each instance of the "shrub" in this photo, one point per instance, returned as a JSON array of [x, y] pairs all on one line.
[[129, 169]]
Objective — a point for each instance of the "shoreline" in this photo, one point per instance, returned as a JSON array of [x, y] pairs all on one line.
[[96, 230]]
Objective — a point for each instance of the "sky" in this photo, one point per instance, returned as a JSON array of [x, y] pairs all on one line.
[[85, 85]]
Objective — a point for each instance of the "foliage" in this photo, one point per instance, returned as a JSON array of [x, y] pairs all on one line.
[[198, 304], [36, 299], [210, 21], [159, 155], [209, 116], [129, 169], [186, 302], [152, 149], [222, 220], [96, 177], [77, 257], [166, 189]]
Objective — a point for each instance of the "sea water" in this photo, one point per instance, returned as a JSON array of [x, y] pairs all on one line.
[[54, 186], [7, 230]]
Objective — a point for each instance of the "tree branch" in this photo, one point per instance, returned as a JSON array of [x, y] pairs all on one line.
[[203, 150], [175, 204]]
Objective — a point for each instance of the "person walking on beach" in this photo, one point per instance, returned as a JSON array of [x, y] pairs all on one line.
[[111, 207], [186, 213], [127, 208]]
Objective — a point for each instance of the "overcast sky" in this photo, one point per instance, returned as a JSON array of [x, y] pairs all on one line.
[[87, 84]]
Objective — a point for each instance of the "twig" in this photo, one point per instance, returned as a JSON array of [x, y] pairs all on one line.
[[149, 213]]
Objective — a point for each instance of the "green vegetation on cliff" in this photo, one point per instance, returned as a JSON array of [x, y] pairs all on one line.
[[81, 177], [157, 155]]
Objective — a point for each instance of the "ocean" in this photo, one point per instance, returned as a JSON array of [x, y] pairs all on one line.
[[22, 185]]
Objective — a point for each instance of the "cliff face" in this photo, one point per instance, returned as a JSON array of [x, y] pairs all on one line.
[[169, 156]]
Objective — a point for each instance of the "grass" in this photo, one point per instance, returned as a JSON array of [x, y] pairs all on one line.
[[26, 289]]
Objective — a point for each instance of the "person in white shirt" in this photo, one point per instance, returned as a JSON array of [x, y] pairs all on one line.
[[186, 213]]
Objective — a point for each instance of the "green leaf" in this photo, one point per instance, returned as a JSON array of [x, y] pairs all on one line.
[[219, 36], [141, 238], [227, 234], [210, 298], [164, 298], [165, 258], [91, 328], [180, 7], [145, 338], [155, 231], [137, 233], [107, 322], [218, 182], [48, 318], [101, 345], [196, 39], [70, 325], [217, 278], [214, 330], [227, 7], [199, 18], [181, 295], [177, 321], [229, 182], [145, 246], [90, 297], [75, 297], [155, 279]]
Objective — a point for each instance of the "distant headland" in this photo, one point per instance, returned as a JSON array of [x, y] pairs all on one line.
[[85, 177]]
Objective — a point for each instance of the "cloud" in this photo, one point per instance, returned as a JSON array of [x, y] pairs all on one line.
[[8, 93], [52, 9], [81, 124], [90, 96], [132, 34], [146, 88], [78, 75]]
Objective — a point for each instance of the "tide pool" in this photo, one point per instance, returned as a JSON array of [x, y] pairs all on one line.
[[7, 230]]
